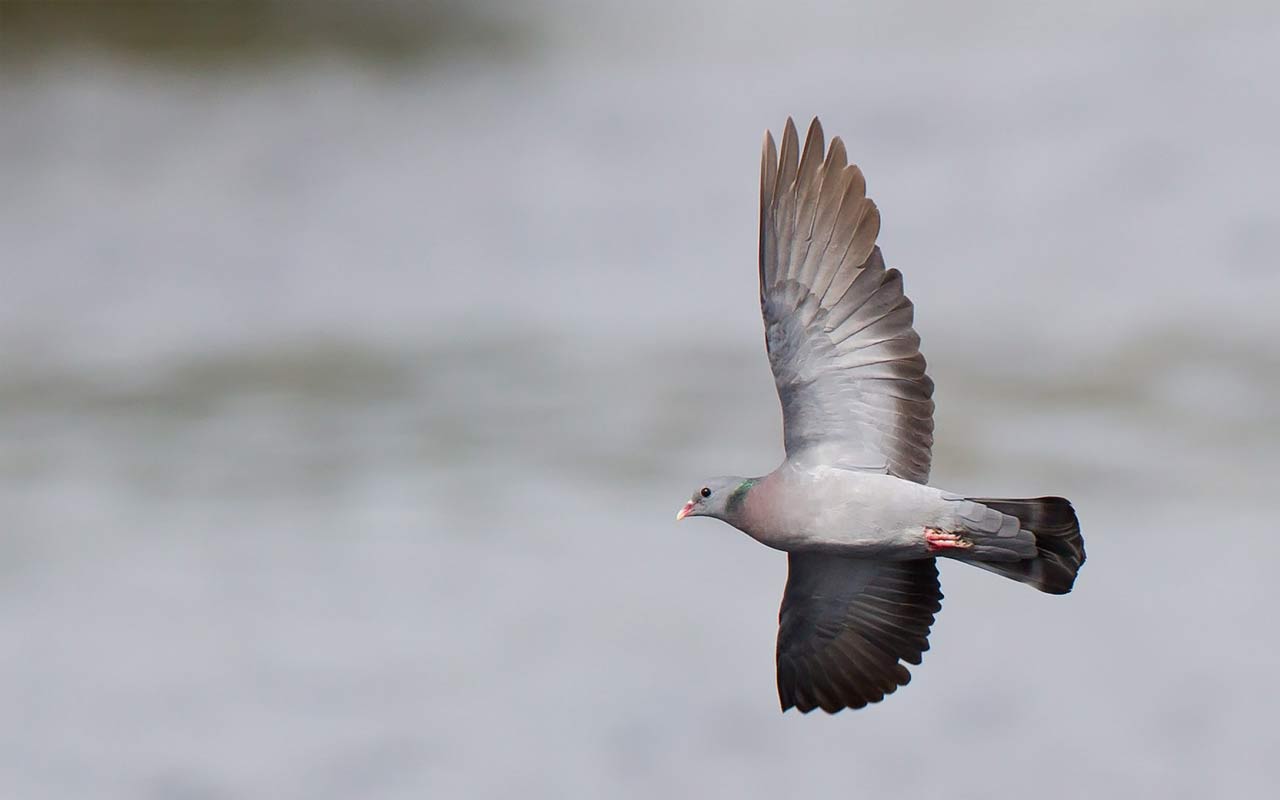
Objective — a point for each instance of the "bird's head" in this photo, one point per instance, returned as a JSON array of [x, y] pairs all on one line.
[[717, 497]]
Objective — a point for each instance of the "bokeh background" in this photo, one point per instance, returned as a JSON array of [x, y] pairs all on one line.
[[354, 358]]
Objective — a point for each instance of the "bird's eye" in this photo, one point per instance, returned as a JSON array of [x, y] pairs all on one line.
[[706, 492]]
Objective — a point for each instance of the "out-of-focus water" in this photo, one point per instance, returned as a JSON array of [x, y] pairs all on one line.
[[345, 406]]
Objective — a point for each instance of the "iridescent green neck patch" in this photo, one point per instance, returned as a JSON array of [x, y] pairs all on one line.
[[739, 495]]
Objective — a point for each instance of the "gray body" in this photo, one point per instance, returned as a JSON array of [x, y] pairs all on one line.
[[850, 504], [872, 515]]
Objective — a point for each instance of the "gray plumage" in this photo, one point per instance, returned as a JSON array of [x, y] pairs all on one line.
[[849, 503]]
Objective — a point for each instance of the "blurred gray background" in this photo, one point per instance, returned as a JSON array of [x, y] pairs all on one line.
[[354, 359]]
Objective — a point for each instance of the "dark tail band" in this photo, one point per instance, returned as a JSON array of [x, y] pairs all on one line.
[[1058, 539]]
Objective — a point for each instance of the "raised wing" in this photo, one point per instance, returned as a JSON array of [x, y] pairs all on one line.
[[846, 623], [845, 358]]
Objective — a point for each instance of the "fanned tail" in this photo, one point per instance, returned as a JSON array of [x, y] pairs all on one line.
[[1059, 545]]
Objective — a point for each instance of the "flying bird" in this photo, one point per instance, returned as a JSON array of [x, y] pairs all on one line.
[[850, 503]]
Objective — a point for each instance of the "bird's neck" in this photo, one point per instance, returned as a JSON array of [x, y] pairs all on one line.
[[736, 512], [757, 512]]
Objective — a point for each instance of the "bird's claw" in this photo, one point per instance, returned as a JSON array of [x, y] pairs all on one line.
[[944, 540]]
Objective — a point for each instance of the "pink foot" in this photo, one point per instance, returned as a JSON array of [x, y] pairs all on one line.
[[942, 540]]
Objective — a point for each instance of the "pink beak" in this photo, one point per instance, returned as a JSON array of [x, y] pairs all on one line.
[[684, 512]]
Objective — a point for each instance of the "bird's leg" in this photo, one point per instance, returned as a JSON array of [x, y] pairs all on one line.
[[944, 540]]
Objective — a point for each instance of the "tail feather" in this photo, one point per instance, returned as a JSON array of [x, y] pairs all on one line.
[[1058, 542]]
